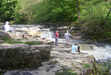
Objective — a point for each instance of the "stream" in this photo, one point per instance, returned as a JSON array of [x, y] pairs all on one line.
[[101, 52]]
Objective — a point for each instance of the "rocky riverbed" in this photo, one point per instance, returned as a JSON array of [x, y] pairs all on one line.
[[61, 58]]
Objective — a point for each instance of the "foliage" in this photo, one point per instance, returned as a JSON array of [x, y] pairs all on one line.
[[23, 12], [94, 19], [66, 72], [86, 66], [57, 11], [12, 41], [40, 11], [33, 43], [103, 68], [7, 10]]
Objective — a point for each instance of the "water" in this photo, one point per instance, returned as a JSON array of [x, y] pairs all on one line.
[[100, 52]]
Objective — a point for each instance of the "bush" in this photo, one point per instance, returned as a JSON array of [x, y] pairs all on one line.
[[7, 9], [95, 20]]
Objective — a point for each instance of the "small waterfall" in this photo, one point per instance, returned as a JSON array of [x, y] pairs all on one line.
[[99, 51]]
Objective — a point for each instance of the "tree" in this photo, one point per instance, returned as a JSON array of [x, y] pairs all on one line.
[[93, 18], [7, 9], [57, 11]]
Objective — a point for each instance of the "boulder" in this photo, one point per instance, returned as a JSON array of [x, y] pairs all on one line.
[[4, 36], [44, 51], [23, 56]]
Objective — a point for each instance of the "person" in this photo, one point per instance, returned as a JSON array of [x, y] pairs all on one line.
[[67, 36], [56, 37], [7, 27], [78, 49], [75, 48]]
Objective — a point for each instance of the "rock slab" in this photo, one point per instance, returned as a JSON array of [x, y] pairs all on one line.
[[23, 56]]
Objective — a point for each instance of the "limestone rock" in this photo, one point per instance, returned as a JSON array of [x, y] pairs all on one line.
[[23, 56], [44, 51], [4, 35], [31, 32]]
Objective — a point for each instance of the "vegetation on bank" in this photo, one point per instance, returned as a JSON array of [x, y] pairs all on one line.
[[12, 41], [95, 19], [103, 68], [66, 72]]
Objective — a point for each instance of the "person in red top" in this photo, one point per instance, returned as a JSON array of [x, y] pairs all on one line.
[[56, 37]]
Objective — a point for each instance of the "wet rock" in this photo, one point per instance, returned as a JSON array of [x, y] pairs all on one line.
[[18, 73], [1, 41], [4, 35], [23, 56], [69, 61], [44, 51]]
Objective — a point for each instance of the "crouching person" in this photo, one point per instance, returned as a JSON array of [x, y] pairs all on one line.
[[75, 48]]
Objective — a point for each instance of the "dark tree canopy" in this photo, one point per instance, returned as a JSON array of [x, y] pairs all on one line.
[[7, 9]]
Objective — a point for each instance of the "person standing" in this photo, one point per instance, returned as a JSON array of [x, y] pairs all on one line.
[[56, 37], [7, 27], [67, 36]]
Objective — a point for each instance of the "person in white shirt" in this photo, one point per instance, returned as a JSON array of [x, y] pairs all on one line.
[[67, 36], [7, 27]]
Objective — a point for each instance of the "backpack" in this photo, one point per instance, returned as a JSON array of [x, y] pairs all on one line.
[[57, 34]]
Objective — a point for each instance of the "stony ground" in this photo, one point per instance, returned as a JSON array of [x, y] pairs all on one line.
[[61, 58]]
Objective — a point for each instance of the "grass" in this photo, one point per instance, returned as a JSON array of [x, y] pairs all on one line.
[[86, 66], [66, 72], [11, 41], [33, 43]]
